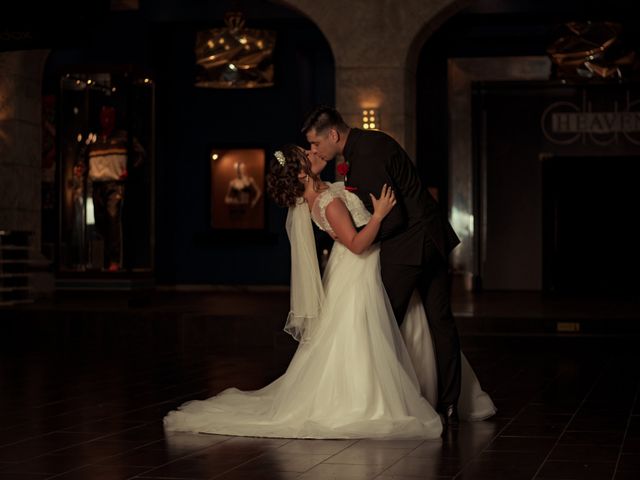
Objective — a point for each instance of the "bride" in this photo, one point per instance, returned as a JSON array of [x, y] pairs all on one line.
[[355, 374]]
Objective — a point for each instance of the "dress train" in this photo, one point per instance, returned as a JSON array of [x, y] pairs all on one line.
[[355, 377]]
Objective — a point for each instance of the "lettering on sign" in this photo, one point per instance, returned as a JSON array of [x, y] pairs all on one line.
[[566, 123]]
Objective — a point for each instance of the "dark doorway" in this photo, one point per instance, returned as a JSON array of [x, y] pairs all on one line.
[[590, 206]]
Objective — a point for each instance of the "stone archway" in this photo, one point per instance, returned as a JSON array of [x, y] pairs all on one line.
[[375, 45]]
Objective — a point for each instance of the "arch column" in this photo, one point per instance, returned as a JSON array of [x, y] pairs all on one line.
[[375, 44], [21, 140]]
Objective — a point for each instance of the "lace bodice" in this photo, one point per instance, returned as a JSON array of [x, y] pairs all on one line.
[[358, 211]]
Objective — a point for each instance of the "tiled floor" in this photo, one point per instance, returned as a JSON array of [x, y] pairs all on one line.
[[568, 409]]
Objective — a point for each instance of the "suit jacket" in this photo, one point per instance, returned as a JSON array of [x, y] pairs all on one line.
[[375, 159]]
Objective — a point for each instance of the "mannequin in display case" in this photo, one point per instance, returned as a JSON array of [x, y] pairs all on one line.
[[106, 155]]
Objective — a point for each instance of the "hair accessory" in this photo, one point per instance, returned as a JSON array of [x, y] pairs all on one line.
[[280, 157]]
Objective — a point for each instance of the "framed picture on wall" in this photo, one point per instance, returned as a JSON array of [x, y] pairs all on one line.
[[237, 188]]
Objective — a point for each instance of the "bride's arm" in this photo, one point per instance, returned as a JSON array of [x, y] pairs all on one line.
[[341, 223]]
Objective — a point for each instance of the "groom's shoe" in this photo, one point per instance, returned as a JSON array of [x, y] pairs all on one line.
[[449, 415]]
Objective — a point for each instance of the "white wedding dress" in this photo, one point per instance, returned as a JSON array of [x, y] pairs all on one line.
[[356, 376]]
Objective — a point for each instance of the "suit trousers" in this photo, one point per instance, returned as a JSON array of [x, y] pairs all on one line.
[[108, 198], [431, 278]]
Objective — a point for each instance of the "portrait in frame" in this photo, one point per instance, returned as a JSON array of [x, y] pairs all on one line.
[[237, 188]]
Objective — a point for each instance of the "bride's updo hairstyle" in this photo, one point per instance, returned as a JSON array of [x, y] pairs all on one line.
[[283, 184]]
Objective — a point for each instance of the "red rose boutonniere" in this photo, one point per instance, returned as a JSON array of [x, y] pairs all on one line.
[[343, 169]]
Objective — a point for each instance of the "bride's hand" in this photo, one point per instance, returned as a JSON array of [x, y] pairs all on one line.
[[383, 205]]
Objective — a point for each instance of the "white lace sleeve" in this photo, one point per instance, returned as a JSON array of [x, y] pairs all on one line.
[[318, 212], [359, 214]]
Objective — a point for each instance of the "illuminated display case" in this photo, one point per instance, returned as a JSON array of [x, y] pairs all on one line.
[[105, 173]]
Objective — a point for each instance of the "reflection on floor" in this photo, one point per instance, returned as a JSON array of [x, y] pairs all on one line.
[[80, 409]]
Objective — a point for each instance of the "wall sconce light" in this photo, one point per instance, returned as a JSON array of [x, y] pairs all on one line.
[[371, 119]]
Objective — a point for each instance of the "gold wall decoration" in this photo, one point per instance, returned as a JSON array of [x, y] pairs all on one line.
[[234, 56], [591, 50]]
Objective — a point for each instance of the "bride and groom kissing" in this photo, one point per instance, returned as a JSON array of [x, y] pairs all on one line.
[[379, 354]]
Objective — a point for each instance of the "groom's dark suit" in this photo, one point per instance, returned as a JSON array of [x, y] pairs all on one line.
[[415, 241]]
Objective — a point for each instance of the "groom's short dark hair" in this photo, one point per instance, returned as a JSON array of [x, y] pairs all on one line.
[[323, 117]]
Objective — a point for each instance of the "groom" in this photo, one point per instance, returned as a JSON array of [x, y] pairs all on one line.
[[415, 237]]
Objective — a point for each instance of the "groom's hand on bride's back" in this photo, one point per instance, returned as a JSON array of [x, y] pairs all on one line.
[[383, 205]]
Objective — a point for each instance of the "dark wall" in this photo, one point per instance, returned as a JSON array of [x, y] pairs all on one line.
[[556, 199], [189, 121]]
